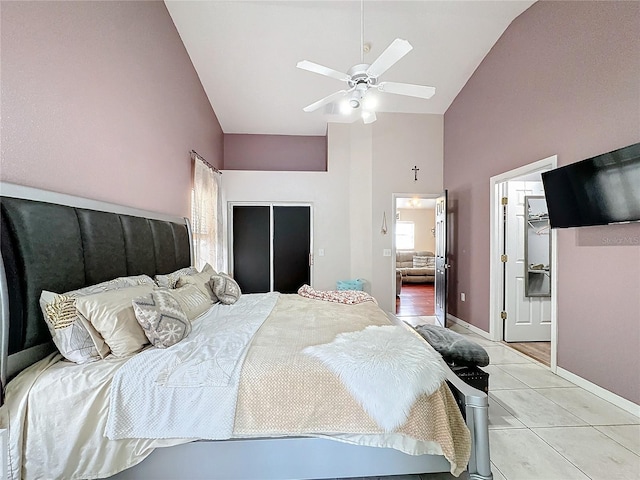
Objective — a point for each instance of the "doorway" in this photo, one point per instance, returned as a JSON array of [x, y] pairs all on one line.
[[522, 314], [414, 256]]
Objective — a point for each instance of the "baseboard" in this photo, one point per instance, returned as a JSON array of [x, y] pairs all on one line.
[[473, 328], [597, 390], [603, 393]]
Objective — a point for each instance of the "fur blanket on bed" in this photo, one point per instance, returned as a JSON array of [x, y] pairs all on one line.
[[385, 368]]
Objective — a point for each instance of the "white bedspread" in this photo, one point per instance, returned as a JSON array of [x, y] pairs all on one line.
[[190, 389]]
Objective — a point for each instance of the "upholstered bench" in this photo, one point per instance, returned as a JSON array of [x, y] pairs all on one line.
[[464, 356]]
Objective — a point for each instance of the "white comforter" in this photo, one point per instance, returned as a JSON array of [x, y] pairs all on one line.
[[56, 411], [189, 390]]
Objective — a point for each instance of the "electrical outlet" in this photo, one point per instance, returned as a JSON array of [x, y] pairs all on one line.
[[386, 252], [463, 297]]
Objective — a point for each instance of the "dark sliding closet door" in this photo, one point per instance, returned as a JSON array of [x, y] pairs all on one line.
[[291, 241], [253, 248]]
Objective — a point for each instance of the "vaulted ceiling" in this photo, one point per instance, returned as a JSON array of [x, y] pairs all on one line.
[[245, 53]]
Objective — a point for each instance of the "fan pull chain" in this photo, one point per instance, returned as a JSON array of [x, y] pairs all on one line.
[[361, 31]]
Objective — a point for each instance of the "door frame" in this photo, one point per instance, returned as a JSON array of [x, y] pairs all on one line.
[[496, 327], [395, 197], [230, 206]]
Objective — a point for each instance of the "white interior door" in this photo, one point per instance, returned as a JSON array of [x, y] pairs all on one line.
[[528, 318], [442, 266]]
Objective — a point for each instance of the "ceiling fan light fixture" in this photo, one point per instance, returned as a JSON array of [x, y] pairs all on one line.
[[368, 116], [355, 99], [370, 102], [345, 108]]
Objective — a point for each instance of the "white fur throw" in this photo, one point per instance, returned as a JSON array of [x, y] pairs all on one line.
[[385, 369]]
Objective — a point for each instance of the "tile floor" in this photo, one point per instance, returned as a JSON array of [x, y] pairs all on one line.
[[543, 427]]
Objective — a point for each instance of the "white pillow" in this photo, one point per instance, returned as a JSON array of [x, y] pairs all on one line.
[[74, 336], [200, 280], [169, 280], [192, 300], [111, 314]]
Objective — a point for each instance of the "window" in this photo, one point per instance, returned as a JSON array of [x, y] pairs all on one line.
[[206, 218], [404, 235]]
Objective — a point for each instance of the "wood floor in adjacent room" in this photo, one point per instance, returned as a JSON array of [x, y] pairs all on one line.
[[540, 351], [416, 299]]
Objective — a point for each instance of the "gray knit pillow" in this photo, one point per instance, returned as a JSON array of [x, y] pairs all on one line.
[[162, 318], [225, 288]]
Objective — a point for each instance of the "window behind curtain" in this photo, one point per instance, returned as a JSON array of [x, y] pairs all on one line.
[[206, 218]]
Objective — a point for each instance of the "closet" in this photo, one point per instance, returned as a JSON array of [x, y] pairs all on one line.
[[271, 246]]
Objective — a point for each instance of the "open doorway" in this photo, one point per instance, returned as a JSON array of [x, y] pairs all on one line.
[[523, 304], [415, 261]]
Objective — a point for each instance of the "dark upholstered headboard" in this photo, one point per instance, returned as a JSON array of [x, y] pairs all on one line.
[[60, 247]]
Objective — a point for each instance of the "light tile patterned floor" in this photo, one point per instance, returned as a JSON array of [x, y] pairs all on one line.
[[543, 427]]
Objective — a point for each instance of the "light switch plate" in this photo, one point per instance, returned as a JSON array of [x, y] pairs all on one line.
[[386, 252]]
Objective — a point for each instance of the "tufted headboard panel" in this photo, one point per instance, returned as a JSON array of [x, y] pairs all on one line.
[[49, 246]]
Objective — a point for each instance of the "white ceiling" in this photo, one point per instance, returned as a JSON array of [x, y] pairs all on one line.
[[245, 53]]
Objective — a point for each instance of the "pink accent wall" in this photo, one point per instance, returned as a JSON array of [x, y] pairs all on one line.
[[275, 152], [100, 100], [563, 79]]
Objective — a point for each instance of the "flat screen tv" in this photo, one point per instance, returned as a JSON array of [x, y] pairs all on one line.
[[597, 191]]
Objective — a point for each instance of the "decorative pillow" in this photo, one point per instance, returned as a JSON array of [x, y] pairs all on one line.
[[431, 262], [455, 349], [193, 302], [201, 281], [161, 318], [420, 261], [111, 314], [169, 280], [74, 336], [225, 288]]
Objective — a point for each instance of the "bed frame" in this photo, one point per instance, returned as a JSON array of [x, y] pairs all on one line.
[[57, 242]]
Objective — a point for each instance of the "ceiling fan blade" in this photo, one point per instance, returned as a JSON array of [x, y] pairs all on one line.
[[420, 91], [325, 101], [368, 117], [326, 71], [394, 52]]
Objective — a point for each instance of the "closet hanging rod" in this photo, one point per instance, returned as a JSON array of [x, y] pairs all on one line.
[[196, 154]]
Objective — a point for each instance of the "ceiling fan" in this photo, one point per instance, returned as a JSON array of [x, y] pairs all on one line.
[[362, 77]]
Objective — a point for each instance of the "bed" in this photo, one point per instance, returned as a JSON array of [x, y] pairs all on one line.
[[60, 243]]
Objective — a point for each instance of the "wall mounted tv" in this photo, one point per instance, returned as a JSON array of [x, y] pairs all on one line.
[[598, 191]]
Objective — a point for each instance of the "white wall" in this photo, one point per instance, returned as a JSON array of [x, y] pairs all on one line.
[[328, 192], [424, 219], [360, 198], [401, 141], [367, 164]]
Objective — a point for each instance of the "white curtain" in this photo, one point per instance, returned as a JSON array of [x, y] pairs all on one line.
[[207, 222]]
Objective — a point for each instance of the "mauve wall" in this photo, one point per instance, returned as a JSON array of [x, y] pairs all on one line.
[[275, 152], [100, 100], [563, 79]]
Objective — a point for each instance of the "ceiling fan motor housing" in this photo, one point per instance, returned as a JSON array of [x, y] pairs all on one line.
[[360, 81]]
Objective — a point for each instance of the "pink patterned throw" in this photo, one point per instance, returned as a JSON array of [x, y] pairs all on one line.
[[348, 297]]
